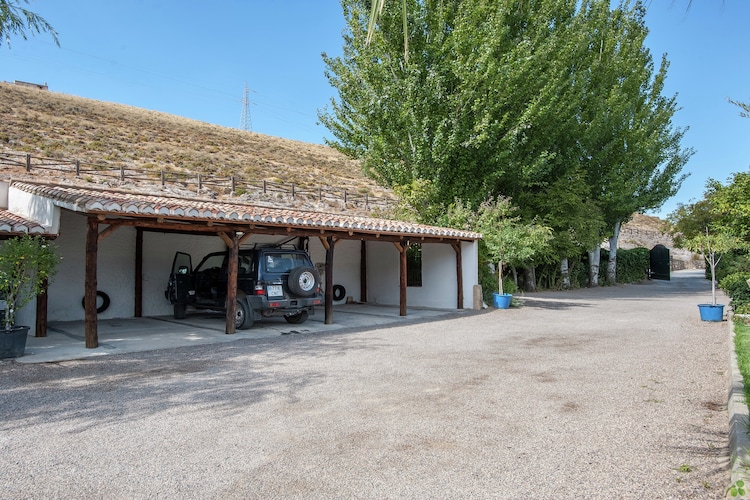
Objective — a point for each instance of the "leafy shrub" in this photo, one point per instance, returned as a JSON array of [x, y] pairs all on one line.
[[632, 264], [736, 287], [731, 263]]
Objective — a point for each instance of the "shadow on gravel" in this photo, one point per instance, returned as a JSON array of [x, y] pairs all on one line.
[[231, 376], [552, 304]]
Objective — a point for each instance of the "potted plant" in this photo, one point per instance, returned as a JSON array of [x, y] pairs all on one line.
[[711, 246], [507, 239], [27, 265]]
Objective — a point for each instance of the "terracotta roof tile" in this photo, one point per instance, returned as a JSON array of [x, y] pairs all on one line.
[[11, 223], [124, 203]]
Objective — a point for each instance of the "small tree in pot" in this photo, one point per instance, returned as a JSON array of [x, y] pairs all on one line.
[[506, 238], [712, 246], [699, 228], [27, 265]]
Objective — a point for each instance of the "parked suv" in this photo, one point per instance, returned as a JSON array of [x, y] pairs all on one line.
[[270, 282]]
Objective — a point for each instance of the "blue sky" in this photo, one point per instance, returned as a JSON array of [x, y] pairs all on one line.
[[193, 59]]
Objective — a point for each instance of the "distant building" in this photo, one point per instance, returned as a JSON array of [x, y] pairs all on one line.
[[40, 86]]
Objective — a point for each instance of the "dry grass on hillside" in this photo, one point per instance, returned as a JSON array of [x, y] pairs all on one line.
[[64, 127]]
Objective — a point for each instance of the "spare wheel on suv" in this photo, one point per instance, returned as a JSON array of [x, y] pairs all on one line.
[[303, 281]]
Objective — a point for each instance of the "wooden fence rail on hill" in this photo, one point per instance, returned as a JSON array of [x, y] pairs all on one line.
[[231, 184]]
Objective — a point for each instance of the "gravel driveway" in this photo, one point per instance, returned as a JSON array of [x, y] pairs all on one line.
[[617, 392]]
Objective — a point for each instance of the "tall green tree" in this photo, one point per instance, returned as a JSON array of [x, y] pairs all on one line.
[[631, 150], [16, 20], [496, 99]]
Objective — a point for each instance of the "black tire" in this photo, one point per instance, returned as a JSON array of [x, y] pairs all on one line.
[[243, 316], [105, 302], [339, 292], [180, 310], [303, 281], [297, 319]]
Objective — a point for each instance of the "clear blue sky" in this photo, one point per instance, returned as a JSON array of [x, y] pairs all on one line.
[[193, 59]]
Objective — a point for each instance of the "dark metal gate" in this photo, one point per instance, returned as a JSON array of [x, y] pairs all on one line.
[[659, 261]]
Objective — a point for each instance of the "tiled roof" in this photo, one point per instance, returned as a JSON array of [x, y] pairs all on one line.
[[11, 223], [133, 204]]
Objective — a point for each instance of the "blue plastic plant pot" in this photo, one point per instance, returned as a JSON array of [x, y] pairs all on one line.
[[501, 300], [710, 312]]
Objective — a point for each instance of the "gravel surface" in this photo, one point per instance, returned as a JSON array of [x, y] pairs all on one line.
[[617, 392]]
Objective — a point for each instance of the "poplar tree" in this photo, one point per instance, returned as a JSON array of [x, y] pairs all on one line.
[[553, 104]]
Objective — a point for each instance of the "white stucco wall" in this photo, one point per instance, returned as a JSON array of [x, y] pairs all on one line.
[[438, 275], [33, 207], [346, 268]]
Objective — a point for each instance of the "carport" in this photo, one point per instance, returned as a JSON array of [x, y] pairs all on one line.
[[107, 210]]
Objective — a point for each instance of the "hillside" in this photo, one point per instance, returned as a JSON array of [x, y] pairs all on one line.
[[59, 126]]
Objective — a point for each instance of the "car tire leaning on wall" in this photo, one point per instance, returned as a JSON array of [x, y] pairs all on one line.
[[106, 301]]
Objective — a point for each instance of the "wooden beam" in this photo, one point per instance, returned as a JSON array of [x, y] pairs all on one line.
[[232, 273], [244, 238], [107, 231], [330, 245], [363, 271], [459, 276], [229, 241], [41, 311], [402, 279], [138, 306], [162, 225], [324, 242], [89, 297]]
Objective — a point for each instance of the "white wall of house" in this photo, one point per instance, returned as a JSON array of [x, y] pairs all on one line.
[[346, 268], [438, 288], [34, 207], [116, 268]]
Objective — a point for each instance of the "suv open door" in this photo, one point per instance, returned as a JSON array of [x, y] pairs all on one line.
[[179, 286]]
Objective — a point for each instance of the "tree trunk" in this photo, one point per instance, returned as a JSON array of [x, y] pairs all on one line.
[[565, 273], [500, 277], [595, 255], [530, 279], [612, 264]]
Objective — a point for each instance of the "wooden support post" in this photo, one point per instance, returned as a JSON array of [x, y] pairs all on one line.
[[363, 271], [402, 277], [138, 310], [41, 312], [89, 297], [329, 246], [459, 275], [232, 273]]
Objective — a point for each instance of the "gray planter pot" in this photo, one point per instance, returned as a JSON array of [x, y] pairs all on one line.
[[13, 341]]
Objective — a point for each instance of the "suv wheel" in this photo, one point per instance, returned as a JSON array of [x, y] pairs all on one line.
[[296, 319], [303, 281], [243, 316]]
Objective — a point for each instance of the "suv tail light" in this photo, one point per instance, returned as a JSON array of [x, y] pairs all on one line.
[[260, 290]]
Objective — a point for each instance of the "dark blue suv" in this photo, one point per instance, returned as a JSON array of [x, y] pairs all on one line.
[[270, 282]]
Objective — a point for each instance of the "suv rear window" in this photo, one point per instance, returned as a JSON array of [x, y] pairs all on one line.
[[283, 262]]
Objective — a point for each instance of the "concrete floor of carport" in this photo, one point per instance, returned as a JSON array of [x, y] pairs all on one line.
[[66, 341]]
